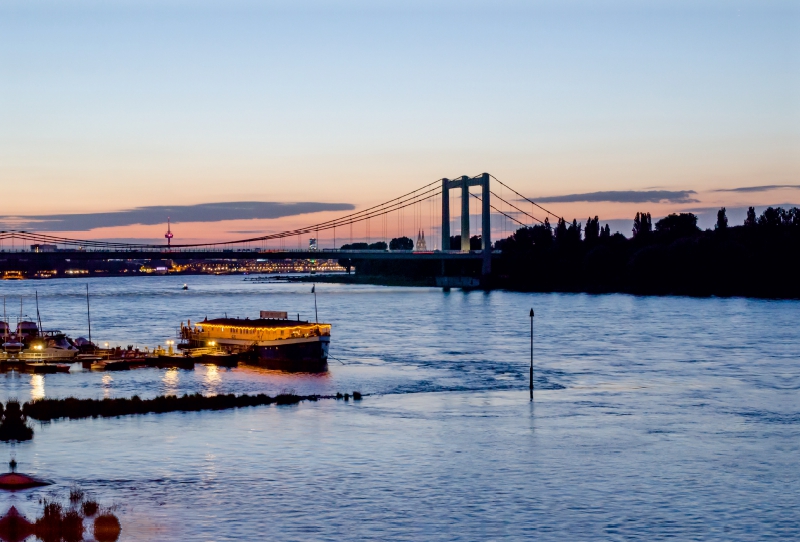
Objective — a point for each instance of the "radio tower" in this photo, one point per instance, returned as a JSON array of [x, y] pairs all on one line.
[[168, 236]]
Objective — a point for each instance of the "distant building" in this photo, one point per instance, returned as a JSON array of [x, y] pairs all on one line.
[[44, 248], [421, 246]]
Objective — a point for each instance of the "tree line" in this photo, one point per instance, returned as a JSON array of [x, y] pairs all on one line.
[[674, 256]]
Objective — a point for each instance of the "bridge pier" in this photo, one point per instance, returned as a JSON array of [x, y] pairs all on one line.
[[486, 217], [445, 216], [486, 226], [464, 214]]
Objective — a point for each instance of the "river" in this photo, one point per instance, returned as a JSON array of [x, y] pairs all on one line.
[[653, 417]]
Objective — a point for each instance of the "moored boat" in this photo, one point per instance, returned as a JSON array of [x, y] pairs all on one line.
[[274, 342]]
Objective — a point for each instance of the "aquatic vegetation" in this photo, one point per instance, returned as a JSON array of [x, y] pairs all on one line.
[[13, 426], [89, 508], [76, 494], [60, 524], [56, 524], [72, 408]]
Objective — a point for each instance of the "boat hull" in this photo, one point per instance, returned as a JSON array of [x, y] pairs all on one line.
[[296, 356]]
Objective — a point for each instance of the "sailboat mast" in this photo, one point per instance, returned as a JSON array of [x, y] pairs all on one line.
[[88, 314], [38, 316]]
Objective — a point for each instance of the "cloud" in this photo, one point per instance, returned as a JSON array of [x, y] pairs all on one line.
[[203, 212], [626, 196], [764, 188]]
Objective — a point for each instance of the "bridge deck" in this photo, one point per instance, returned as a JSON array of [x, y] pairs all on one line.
[[83, 255]]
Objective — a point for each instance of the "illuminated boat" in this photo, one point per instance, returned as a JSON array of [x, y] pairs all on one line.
[[273, 342], [50, 345]]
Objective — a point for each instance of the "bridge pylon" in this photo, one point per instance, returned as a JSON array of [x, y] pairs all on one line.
[[464, 183]]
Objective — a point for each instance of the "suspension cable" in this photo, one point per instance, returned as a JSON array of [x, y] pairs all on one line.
[[525, 198]]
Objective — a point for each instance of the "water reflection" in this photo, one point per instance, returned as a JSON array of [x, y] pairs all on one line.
[[211, 380], [107, 382], [37, 387], [171, 380]]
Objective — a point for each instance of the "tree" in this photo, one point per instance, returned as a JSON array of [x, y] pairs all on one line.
[[475, 242], [380, 245], [722, 220], [574, 231], [455, 242], [401, 243], [561, 231], [605, 233], [678, 225], [355, 246], [592, 231], [770, 218], [750, 221], [642, 225]]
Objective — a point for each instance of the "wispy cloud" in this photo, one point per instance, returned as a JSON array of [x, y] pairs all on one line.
[[626, 196], [763, 188], [204, 212]]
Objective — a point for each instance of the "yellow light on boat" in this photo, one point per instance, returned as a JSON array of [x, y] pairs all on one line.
[[211, 343]]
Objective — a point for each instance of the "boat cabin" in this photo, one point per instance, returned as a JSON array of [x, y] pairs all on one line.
[[257, 330]]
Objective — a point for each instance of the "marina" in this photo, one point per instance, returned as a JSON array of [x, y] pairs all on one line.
[[272, 341]]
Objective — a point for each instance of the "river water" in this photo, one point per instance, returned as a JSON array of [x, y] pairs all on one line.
[[653, 417]]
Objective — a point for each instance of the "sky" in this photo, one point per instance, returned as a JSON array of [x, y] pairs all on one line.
[[294, 112]]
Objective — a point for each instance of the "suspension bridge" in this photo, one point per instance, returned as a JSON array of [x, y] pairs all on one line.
[[487, 209]]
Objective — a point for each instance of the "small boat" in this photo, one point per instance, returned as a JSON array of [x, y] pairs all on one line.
[[62, 368], [185, 287], [13, 345]]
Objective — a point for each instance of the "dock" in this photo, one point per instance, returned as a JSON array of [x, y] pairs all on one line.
[[117, 359]]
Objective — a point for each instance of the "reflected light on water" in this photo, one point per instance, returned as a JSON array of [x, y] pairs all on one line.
[[37, 387], [170, 381], [107, 381], [211, 379]]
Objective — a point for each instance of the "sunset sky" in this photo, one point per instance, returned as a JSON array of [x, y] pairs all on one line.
[[120, 105]]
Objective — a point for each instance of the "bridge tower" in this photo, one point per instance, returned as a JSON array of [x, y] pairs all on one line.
[[486, 227], [168, 236]]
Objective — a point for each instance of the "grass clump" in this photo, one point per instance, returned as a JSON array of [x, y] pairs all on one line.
[[13, 426]]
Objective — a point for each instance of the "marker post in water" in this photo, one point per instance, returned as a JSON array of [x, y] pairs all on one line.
[[531, 386]]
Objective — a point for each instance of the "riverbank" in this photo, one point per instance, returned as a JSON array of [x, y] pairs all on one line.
[[503, 284], [378, 280]]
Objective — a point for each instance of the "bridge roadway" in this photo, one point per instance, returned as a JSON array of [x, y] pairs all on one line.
[[240, 254]]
